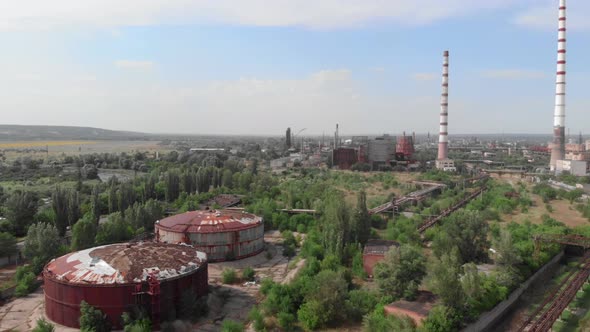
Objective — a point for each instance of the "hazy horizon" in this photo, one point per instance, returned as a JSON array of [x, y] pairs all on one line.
[[255, 68]]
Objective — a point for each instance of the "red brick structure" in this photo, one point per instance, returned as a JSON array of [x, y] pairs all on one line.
[[374, 252]]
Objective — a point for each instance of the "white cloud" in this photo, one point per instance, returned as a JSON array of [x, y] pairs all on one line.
[[134, 64], [425, 76], [308, 13], [513, 74], [545, 16]]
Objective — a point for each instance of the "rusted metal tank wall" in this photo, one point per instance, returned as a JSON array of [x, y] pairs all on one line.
[[62, 299], [221, 245], [169, 237]]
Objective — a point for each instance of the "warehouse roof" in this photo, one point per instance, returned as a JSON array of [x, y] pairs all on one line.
[[209, 221], [125, 263], [379, 247]]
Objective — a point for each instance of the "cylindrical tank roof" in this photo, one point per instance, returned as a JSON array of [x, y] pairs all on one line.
[[125, 263], [209, 221]]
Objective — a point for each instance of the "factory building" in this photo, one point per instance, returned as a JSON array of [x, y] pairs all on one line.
[[374, 252], [574, 167], [404, 149], [221, 234], [577, 151], [381, 150], [344, 158], [116, 278]]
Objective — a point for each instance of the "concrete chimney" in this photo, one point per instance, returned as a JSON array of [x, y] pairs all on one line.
[[558, 146], [443, 140]]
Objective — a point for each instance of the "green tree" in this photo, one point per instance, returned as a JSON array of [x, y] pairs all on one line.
[[508, 259], [377, 321], [59, 203], [361, 220], [26, 283], [73, 207], [310, 315], [21, 207], [323, 300], [95, 201], [467, 231], [401, 271], [442, 319], [79, 179], [188, 182], [83, 233], [226, 178], [115, 229], [126, 196], [172, 181], [113, 199], [7, 245], [335, 226], [149, 187], [444, 278], [359, 303], [41, 244], [92, 319]]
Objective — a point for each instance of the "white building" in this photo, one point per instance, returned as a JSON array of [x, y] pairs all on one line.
[[574, 167], [447, 165]]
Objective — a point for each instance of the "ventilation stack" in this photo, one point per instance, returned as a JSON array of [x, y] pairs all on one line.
[[443, 162], [558, 146]]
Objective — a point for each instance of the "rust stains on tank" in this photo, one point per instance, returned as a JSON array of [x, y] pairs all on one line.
[[209, 221], [125, 263]]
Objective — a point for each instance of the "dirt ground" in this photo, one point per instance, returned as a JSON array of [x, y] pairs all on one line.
[[225, 301], [562, 211], [7, 274]]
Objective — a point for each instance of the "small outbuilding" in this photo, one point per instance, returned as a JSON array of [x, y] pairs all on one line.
[[374, 252]]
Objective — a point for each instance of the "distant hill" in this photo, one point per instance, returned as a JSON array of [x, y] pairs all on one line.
[[18, 132]]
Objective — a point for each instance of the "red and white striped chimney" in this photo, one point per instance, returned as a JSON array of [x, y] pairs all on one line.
[[443, 140], [558, 146]]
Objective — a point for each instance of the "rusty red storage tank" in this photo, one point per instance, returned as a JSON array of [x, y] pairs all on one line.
[[120, 277], [221, 234]]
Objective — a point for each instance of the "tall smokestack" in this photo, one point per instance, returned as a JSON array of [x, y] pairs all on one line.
[[558, 146], [443, 140]]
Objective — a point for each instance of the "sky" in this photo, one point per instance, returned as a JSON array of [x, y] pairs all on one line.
[[259, 66]]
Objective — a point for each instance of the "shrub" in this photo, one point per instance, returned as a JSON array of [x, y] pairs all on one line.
[[92, 319], [229, 276], [43, 326], [231, 326], [257, 320], [26, 284], [248, 274], [286, 321], [309, 315], [360, 302]]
